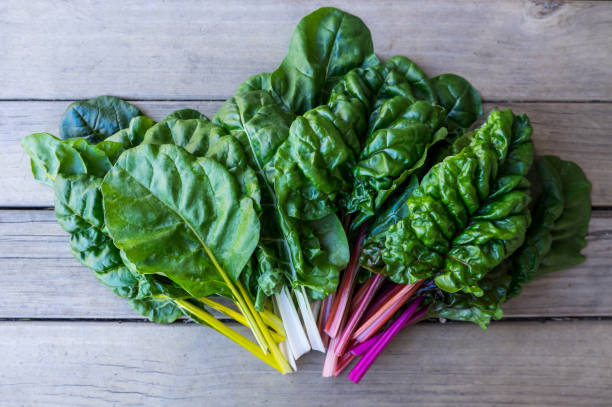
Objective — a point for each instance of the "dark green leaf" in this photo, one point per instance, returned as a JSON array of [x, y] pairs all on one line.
[[96, 119], [462, 220], [461, 101], [561, 215]]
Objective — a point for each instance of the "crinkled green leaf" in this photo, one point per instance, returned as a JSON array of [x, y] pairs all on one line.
[[468, 214], [395, 149], [561, 215], [175, 215], [96, 119], [468, 307]]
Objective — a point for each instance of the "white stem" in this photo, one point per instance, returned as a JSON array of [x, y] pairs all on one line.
[[284, 348], [309, 320], [296, 337]]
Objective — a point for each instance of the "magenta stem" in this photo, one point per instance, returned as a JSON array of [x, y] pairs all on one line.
[[366, 361], [363, 347]]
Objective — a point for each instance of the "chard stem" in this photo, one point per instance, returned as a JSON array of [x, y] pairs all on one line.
[[223, 329], [350, 326], [276, 353], [236, 316], [343, 294], [385, 312]]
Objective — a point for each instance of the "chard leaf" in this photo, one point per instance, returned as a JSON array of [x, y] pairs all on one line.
[[461, 101], [183, 114], [161, 310], [468, 214], [79, 211], [175, 215], [132, 135], [196, 136], [325, 45], [96, 119], [561, 215], [51, 156], [470, 308], [397, 147]]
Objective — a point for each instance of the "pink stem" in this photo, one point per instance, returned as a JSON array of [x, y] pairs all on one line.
[[331, 360], [343, 294], [385, 312], [350, 326]]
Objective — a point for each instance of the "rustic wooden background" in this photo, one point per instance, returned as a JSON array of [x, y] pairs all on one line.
[[67, 340]]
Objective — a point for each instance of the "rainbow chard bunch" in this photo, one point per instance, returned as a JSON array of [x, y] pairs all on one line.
[[262, 203]]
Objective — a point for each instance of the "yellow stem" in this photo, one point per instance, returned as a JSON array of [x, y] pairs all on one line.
[[236, 316], [282, 362], [273, 322], [240, 301], [220, 327]]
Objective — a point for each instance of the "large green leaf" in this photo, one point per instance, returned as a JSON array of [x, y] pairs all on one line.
[[179, 216], [461, 101], [468, 214], [325, 45], [561, 215], [79, 211], [96, 119]]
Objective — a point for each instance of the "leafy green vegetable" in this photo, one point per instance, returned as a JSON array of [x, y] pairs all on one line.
[[179, 216], [96, 119], [325, 45], [461, 101], [469, 213], [561, 215], [395, 149], [134, 134]]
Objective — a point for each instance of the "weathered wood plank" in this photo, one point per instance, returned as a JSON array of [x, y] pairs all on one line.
[[41, 279], [524, 363], [510, 50], [574, 131]]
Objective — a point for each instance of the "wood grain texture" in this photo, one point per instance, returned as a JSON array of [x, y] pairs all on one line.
[[41, 279], [518, 363], [581, 132], [510, 50]]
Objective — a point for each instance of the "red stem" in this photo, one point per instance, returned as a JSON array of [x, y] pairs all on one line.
[[323, 317], [350, 326], [343, 363], [343, 294], [385, 312], [382, 299]]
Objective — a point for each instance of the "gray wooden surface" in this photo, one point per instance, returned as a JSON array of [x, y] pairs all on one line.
[[551, 60]]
